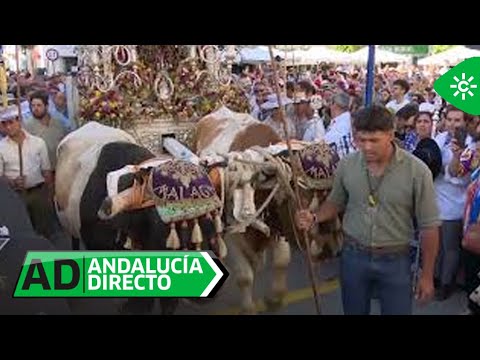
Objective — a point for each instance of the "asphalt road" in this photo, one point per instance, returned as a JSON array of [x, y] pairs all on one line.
[[299, 300]]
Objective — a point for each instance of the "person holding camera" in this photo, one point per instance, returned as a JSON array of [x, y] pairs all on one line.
[[451, 196]]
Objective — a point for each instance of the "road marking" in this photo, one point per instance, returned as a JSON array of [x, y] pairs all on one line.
[[292, 297]]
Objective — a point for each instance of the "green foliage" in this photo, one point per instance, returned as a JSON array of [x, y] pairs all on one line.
[[352, 48], [348, 48], [441, 48]]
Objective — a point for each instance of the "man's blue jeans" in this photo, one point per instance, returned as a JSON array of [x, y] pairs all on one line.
[[390, 274]]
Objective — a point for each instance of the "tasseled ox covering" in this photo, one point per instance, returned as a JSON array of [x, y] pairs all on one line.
[[183, 195]]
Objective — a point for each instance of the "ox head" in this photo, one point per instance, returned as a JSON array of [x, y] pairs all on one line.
[[247, 173], [179, 195]]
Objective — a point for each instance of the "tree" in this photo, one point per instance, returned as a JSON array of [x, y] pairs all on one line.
[[348, 48], [441, 48]]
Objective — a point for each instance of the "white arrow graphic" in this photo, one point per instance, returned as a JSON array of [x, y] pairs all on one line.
[[218, 274]]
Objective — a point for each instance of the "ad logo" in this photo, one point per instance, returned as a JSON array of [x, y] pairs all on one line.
[[460, 86], [121, 274]]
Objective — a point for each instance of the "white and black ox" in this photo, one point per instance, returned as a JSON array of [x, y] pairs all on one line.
[[256, 188], [103, 217]]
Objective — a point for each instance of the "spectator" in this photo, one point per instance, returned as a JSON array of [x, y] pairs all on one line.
[[33, 181], [400, 89], [44, 125], [339, 132]]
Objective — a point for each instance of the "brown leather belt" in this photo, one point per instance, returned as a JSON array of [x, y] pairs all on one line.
[[376, 250]]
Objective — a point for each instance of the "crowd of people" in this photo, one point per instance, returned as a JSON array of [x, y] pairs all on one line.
[[423, 124], [31, 128], [407, 120]]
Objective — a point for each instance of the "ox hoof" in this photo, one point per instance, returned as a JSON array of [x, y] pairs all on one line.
[[275, 302]]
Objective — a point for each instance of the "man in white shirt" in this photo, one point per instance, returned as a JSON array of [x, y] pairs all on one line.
[[315, 127], [399, 91], [44, 125], [339, 132], [451, 197], [25, 164]]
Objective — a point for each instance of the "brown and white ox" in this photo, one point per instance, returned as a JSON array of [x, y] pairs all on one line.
[[251, 175]]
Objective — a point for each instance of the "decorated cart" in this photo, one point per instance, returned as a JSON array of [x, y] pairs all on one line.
[[156, 91]]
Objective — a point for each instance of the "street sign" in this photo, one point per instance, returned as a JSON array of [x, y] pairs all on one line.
[[52, 54], [92, 274], [415, 50]]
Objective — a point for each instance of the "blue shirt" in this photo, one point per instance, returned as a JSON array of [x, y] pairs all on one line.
[[410, 142], [66, 122]]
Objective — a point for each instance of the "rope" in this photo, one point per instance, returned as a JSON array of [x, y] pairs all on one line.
[[243, 162], [261, 209]]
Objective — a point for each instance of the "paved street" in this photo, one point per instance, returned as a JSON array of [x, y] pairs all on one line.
[[299, 300]]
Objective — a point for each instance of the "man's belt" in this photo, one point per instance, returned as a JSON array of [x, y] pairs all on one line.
[[376, 250]]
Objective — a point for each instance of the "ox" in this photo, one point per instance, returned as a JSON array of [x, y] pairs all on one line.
[[103, 219], [242, 141]]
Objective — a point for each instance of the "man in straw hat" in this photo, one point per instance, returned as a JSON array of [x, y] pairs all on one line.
[[25, 165]]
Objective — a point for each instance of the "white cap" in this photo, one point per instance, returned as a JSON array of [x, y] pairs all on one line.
[[8, 113], [426, 107], [272, 103]]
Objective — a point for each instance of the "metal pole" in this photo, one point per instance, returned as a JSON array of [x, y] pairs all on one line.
[[370, 75]]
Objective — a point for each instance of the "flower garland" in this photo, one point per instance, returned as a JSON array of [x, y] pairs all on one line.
[[196, 92]]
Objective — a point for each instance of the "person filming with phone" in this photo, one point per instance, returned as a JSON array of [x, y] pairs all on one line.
[[451, 197]]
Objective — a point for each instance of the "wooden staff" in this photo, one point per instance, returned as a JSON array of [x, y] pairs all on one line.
[[20, 153], [294, 178], [3, 83], [17, 60]]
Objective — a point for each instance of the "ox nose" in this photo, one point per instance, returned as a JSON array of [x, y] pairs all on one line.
[[105, 210]]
